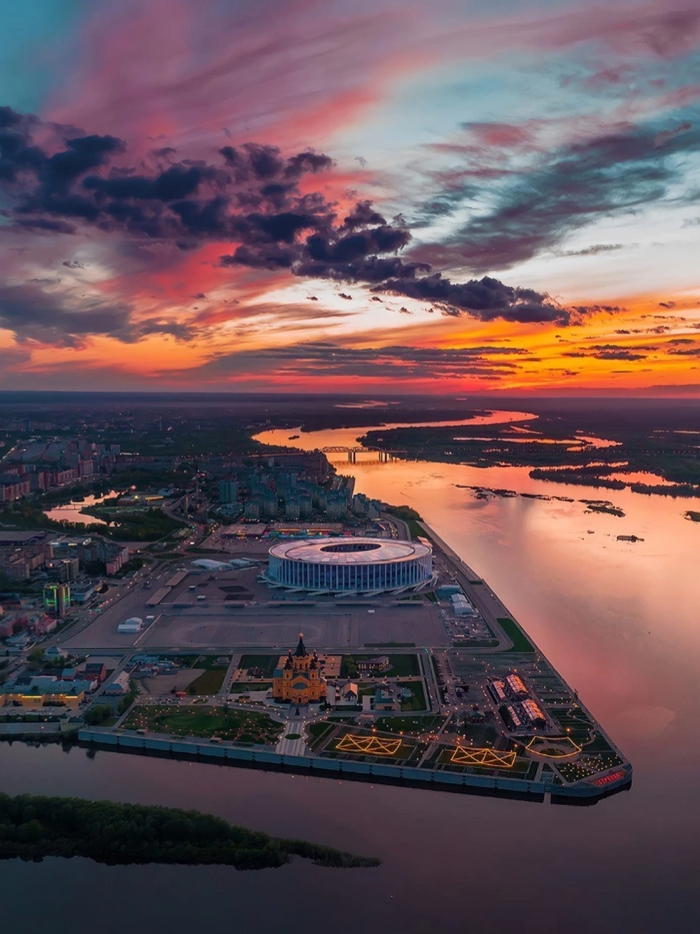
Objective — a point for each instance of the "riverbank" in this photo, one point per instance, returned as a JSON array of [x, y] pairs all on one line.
[[351, 770]]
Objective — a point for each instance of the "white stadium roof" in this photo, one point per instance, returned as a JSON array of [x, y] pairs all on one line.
[[349, 551]]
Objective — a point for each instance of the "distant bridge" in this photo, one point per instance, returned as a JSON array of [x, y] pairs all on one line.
[[383, 456]]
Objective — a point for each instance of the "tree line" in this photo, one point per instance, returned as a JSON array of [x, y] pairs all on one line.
[[33, 827]]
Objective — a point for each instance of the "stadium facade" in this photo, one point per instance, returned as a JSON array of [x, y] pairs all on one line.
[[350, 565]]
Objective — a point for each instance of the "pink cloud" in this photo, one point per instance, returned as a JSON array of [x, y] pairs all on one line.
[[280, 73]]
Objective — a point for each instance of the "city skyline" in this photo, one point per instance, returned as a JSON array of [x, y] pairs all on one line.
[[351, 197]]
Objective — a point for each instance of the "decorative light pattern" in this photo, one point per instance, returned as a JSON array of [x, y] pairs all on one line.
[[369, 745], [483, 757], [559, 747]]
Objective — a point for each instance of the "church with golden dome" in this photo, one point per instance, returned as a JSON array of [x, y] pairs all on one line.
[[299, 679]]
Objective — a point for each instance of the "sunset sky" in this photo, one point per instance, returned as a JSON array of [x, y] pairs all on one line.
[[350, 195]]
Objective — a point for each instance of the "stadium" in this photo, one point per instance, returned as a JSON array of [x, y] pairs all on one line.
[[350, 565]]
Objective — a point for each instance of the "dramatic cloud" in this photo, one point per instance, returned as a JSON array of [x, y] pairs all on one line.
[[33, 314], [536, 205], [252, 197], [487, 299]]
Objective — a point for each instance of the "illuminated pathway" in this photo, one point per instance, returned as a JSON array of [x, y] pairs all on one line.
[[293, 747]]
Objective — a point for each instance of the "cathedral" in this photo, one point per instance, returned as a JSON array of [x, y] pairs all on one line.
[[299, 680]]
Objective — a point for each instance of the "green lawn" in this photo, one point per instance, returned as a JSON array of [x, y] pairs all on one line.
[[245, 687], [520, 641], [479, 733], [417, 702], [209, 682], [413, 725], [235, 725], [319, 732], [320, 728], [266, 663], [210, 661]]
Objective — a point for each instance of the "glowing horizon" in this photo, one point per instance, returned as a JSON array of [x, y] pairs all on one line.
[[485, 197]]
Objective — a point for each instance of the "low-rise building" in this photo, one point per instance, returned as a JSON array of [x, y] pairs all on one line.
[[385, 699], [120, 685], [346, 694], [95, 671], [515, 686], [83, 590], [45, 690], [43, 625], [373, 666]]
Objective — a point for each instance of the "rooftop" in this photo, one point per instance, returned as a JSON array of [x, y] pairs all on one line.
[[349, 550]]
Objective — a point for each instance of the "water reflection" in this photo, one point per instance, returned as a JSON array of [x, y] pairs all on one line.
[[73, 511], [616, 617], [348, 437]]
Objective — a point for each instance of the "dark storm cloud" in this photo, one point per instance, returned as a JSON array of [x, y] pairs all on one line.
[[45, 224], [35, 315], [170, 185], [400, 362], [537, 207], [252, 199], [274, 257], [486, 298]]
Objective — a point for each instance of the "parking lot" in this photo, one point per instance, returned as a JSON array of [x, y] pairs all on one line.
[[231, 608]]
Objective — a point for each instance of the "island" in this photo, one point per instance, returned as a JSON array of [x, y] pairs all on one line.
[[617, 446], [35, 827]]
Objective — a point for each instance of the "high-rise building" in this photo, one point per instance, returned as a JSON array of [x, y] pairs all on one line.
[[57, 599], [270, 504], [251, 511], [228, 491], [292, 507]]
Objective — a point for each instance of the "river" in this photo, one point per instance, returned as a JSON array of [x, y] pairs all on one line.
[[618, 619], [73, 511]]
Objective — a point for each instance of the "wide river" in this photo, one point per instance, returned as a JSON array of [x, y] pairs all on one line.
[[618, 619]]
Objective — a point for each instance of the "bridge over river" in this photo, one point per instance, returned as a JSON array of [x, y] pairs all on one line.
[[382, 456]]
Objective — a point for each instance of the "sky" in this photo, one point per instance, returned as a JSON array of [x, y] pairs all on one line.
[[350, 196]]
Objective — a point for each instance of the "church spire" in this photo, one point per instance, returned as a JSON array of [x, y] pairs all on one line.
[[301, 648]]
